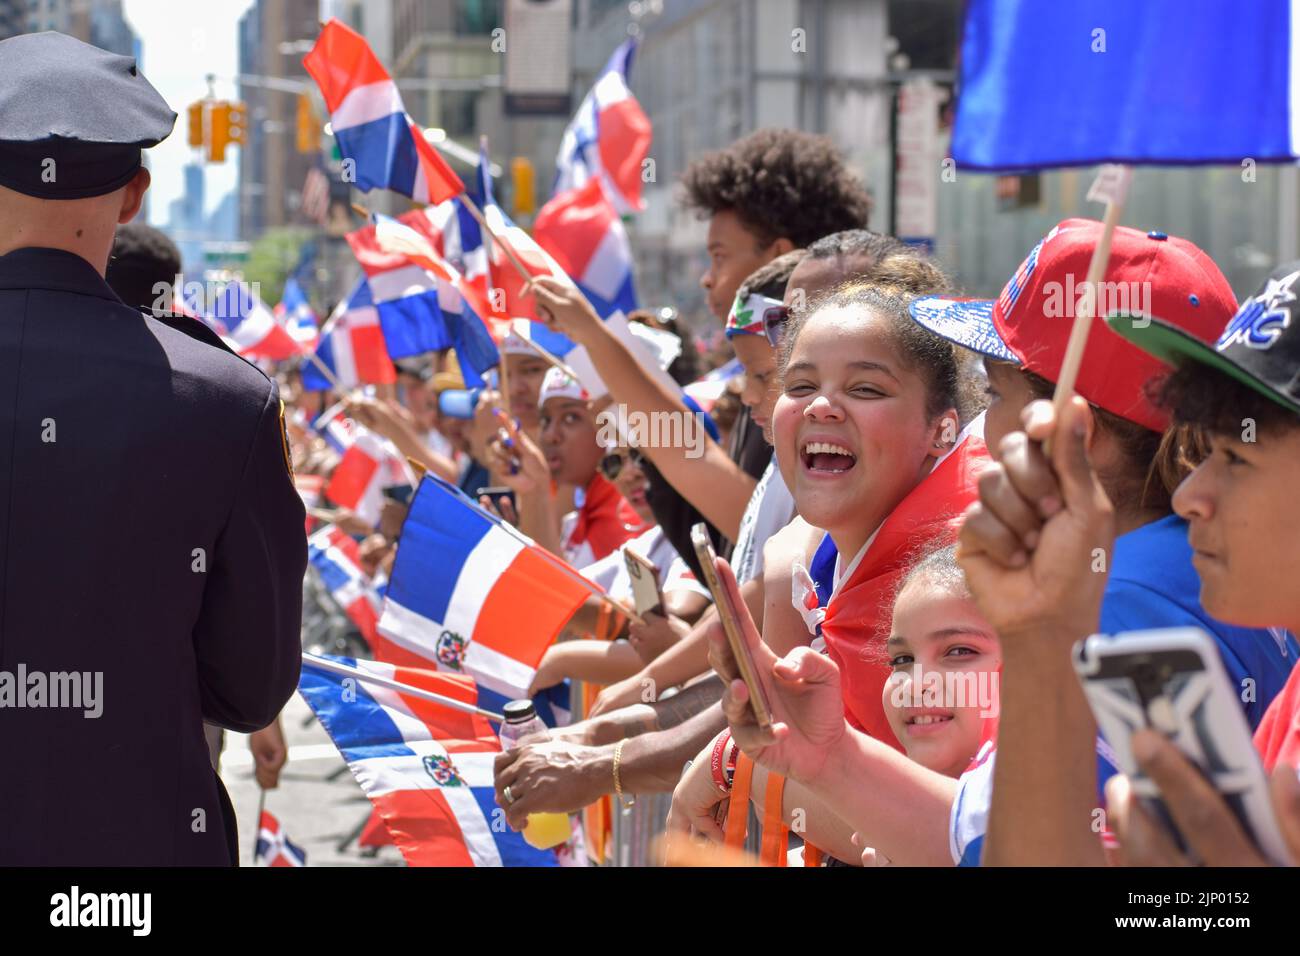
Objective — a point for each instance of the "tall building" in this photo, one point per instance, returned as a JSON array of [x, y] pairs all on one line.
[[273, 36], [13, 18], [707, 72], [100, 23]]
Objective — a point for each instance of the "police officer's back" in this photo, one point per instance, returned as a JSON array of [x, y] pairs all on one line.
[[149, 529]]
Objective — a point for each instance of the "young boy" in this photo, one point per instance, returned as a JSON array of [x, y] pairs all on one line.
[[1243, 525]]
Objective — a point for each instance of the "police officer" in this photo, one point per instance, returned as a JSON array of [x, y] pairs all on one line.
[[151, 541]]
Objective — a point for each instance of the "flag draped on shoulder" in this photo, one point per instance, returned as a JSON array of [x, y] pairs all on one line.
[[426, 767], [371, 124], [1074, 83], [608, 138], [352, 345], [470, 594]]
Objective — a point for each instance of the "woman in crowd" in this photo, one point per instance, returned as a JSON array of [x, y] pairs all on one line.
[[867, 437], [940, 699], [603, 661]]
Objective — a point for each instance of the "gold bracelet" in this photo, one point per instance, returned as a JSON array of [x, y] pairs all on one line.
[[618, 786]]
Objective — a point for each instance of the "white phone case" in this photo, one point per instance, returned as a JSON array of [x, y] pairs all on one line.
[[1195, 706]]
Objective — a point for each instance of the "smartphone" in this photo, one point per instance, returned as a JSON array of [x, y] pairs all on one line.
[[1172, 680], [731, 625], [495, 493], [646, 595], [399, 493]]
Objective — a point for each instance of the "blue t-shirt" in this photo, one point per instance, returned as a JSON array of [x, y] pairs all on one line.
[[1152, 584]]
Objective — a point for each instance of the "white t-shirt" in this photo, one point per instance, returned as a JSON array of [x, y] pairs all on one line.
[[770, 508], [610, 572]]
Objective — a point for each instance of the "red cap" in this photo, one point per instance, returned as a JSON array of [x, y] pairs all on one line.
[[1149, 275]]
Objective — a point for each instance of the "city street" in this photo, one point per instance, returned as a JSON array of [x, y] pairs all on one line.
[[318, 803]]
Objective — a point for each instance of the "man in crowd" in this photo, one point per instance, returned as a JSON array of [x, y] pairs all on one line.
[[153, 548]]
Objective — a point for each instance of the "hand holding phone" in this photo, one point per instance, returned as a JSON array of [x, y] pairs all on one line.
[[730, 619], [646, 595], [1172, 681]]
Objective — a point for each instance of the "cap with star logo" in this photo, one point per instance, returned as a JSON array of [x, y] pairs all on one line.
[[73, 117], [1260, 347]]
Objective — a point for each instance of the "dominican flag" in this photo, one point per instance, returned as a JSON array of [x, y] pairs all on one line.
[[370, 123], [251, 325], [405, 295], [273, 845], [608, 138], [335, 428], [470, 594], [426, 767], [506, 283], [352, 346], [333, 554], [368, 466], [583, 233], [706, 390], [295, 313], [309, 488], [1079, 82], [395, 248]]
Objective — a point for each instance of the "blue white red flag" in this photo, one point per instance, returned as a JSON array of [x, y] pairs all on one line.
[[251, 325], [295, 313], [608, 138], [583, 233], [352, 346], [370, 123], [273, 845], [1079, 82], [334, 555], [369, 465], [423, 302], [426, 767], [707, 389], [470, 594]]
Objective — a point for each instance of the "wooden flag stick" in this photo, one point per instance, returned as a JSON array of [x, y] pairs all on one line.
[[257, 822], [554, 360], [1087, 309], [477, 213]]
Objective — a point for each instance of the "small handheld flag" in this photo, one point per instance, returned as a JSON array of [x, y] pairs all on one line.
[[274, 848], [370, 123]]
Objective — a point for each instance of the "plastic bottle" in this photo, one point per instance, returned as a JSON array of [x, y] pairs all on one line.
[[542, 830]]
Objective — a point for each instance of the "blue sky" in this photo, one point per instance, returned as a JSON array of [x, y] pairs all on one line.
[[180, 43]]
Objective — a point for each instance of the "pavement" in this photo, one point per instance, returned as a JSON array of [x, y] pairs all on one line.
[[318, 803]]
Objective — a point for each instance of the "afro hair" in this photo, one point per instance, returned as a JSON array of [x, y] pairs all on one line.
[[780, 183]]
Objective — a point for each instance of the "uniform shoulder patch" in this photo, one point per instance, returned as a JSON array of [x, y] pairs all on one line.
[[284, 442]]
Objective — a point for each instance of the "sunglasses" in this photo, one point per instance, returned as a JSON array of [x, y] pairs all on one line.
[[611, 465], [774, 319]]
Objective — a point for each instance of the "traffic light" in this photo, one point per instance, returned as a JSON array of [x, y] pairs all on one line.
[[225, 127], [307, 129], [195, 112], [521, 177]]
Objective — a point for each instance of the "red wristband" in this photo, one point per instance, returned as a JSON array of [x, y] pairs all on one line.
[[716, 763]]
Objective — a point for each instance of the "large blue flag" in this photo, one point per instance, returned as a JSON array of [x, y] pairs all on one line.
[[1078, 82]]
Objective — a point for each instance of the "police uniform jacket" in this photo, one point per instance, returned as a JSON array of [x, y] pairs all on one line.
[[150, 533]]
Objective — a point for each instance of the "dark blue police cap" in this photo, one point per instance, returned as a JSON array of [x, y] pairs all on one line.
[[73, 117]]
